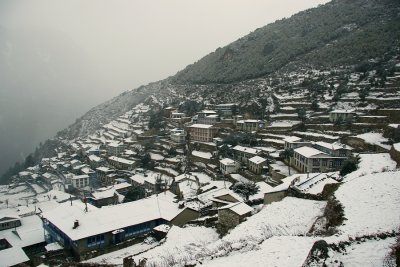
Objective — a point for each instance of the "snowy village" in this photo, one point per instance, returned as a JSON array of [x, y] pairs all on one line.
[[222, 184]]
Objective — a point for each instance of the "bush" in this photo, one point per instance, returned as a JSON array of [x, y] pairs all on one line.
[[348, 167]]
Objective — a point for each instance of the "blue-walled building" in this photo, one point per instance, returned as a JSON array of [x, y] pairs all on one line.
[[82, 231]]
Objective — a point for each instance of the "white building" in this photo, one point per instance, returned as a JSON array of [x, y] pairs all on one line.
[[178, 136], [228, 166], [80, 181], [256, 164]]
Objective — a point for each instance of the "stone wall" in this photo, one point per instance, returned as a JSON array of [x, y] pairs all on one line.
[[274, 197]]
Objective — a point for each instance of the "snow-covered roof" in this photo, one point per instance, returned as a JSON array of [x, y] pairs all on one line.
[[201, 154], [113, 144], [83, 176], [138, 178], [239, 178], [257, 160], [13, 256], [333, 146], [309, 152], [291, 139], [227, 161], [29, 233], [112, 217], [104, 169], [103, 193], [315, 183], [249, 150], [201, 177], [225, 191], [205, 126], [53, 246], [341, 111], [94, 158], [239, 208], [122, 160], [208, 112]]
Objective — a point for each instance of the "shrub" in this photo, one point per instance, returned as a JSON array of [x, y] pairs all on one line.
[[348, 167]]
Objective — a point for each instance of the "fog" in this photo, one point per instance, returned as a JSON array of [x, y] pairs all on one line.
[[60, 58]]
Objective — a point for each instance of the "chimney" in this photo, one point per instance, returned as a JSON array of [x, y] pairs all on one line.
[[76, 224]]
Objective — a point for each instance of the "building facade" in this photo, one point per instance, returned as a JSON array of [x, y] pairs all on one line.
[[202, 132]]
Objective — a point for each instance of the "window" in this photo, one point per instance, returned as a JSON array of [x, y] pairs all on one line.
[[96, 240]]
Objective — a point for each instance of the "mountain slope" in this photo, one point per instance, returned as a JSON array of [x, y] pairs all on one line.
[[340, 32]]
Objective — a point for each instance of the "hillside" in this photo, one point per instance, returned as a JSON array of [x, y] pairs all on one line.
[[338, 38], [340, 32]]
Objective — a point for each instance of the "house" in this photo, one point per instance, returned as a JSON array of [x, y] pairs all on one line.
[[250, 125], [95, 161], [91, 173], [105, 197], [122, 187], [168, 111], [341, 115], [101, 173], [74, 163], [224, 197], [82, 230], [121, 163], [177, 115], [151, 181], [202, 132], [178, 135], [292, 142], [257, 164], [226, 110], [114, 148], [187, 185], [308, 159], [243, 154], [20, 242], [24, 175], [310, 183], [207, 117], [7, 222], [334, 149], [13, 256], [228, 166], [233, 214], [80, 181]]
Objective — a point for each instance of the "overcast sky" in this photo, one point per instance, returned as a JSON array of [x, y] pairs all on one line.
[[136, 42], [60, 58]]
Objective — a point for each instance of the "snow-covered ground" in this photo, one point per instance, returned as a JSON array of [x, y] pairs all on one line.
[[180, 244], [371, 200], [374, 139], [372, 163], [377, 194], [118, 256], [279, 251], [367, 253]]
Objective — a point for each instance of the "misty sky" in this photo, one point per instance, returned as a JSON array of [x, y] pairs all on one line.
[[60, 58], [136, 42]]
